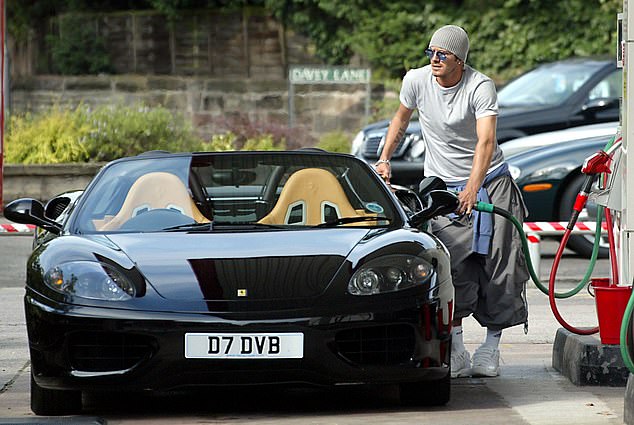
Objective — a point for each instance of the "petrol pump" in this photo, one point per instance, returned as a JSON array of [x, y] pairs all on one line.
[[618, 198], [618, 193], [625, 52]]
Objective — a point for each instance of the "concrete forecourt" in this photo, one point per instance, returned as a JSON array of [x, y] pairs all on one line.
[[528, 391]]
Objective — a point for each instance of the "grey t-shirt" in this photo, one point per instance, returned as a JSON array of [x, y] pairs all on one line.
[[448, 119]]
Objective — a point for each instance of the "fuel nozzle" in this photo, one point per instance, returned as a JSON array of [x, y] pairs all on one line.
[[598, 162]]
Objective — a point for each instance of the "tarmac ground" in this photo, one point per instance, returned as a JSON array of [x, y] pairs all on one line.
[[528, 391]]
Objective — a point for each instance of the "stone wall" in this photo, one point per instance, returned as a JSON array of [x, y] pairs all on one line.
[[247, 43], [45, 181], [318, 108], [208, 65]]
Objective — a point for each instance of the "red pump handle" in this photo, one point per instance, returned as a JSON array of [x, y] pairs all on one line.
[[596, 163]]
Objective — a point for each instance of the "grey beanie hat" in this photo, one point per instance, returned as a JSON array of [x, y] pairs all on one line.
[[453, 39]]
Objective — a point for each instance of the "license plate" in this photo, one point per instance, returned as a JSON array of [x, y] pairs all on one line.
[[244, 346]]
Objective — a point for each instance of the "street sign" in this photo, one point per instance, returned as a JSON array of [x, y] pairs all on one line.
[[328, 75], [307, 74]]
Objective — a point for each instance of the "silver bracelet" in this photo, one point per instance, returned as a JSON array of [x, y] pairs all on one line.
[[382, 161]]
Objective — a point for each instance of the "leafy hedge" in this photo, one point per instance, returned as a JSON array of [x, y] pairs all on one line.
[[336, 141], [100, 134], [104, 133], [52, 138]]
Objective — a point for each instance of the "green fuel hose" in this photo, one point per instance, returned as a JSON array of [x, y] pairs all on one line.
[[626, 347], [626, 330], [629, 309], [485, 207]]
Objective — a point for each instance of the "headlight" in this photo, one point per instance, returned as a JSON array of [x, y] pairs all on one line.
[[357, 142], [515, 172], [390, 273], [88, 279]]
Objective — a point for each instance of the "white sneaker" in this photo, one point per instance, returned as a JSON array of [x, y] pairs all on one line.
[[486, 361], [460, 364]]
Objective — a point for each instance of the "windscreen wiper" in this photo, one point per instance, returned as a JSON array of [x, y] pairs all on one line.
[[250, 224], [346, 220], [196, 227]]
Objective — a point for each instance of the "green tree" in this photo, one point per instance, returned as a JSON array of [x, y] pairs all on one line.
[[76, 48], [508, 36]]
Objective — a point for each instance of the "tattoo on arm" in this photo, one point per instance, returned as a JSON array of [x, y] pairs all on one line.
[[400, 133], [390, 146]]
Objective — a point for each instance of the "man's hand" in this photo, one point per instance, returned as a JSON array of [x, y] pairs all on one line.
[[468, 199], [384, 170]]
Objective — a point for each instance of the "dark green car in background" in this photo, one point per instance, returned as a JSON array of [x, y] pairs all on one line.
[[550, 177]]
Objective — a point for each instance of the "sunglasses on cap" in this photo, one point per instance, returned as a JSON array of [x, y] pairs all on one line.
[[442, 56]]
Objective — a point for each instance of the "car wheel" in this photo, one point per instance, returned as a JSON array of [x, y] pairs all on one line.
[[427, 393], [46, 402], [581, 244]]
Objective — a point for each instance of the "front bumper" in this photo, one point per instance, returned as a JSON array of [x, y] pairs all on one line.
[[89, 348]]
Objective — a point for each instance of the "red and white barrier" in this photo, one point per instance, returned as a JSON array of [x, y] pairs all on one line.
[[535, 230], [16, 228], [554, 228]]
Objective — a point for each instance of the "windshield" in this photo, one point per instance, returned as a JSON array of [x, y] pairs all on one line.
[[548, 85], [254, 190]]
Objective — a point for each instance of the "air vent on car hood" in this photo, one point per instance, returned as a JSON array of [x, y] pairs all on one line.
[[266, 277]]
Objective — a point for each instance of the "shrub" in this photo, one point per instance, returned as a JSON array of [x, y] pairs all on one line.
[[336, 141], [119, 131], [264, 143], [56, 137], [104, 133], [229, 142], [245, 128], [221, 142], [93, 135]]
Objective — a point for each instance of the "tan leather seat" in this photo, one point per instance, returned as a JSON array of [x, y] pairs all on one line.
[[153, 191], [311, 192]]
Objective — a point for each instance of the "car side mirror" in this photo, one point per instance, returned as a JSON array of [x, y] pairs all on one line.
[[599, 104], [436, 202], [30, 211]]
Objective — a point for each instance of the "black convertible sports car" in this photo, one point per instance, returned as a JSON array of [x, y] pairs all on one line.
[[236, 268]]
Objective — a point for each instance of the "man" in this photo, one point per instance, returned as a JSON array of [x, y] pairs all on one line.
[[457, 109]]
